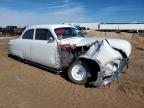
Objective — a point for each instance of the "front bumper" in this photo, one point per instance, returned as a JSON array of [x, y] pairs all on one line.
[[101, 80]]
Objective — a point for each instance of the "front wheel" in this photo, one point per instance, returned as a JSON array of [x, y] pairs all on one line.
[[78, 73]]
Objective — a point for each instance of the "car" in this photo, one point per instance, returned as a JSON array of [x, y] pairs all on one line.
[[59, 47], [12, 30], [0, 30]]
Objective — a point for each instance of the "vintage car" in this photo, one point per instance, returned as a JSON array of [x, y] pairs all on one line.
[[93, 60]]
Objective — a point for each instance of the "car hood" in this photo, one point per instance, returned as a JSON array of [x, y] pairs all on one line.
[[84, 41]]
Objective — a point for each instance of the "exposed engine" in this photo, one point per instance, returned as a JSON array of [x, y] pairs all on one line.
[[69, 53]]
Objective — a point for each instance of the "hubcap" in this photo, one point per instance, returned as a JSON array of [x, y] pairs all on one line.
[[78, 72]]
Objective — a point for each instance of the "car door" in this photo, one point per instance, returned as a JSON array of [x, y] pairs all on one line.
[[44, 48], [25, 43]]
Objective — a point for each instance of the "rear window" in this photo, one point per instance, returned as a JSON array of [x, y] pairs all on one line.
[[28, 34], [43, 34]]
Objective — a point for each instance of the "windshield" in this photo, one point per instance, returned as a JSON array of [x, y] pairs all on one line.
[[67, 32]]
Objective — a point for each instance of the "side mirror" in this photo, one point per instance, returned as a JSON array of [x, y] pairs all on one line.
[[59, 37], [50, 40]]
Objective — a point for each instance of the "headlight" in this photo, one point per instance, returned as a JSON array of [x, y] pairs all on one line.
[[113, 65]]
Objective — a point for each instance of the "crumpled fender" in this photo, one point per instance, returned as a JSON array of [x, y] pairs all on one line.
[[123, 45], [101, 51]]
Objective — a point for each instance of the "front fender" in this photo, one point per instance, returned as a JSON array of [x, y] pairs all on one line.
[[120, 44], [101, 51]]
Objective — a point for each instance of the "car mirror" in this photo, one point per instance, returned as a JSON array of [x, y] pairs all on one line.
[[59, 37], [50, 40]]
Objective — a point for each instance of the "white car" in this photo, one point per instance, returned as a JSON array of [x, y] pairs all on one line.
[[58, 47]]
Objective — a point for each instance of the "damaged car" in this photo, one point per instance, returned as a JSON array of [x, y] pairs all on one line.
[[93, 60]]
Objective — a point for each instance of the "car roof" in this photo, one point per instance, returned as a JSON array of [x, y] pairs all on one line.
[[52, 26]]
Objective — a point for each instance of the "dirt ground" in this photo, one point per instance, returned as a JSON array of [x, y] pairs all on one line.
[[26, 86]]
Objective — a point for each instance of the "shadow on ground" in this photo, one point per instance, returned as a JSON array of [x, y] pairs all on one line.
[[62, 74]]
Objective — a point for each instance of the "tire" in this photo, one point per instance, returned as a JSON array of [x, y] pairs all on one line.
[[78, 73]]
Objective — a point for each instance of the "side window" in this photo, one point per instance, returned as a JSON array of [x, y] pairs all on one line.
[[28, 34], [43, 34]]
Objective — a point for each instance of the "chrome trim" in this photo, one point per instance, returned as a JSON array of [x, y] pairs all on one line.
[[115, 76]]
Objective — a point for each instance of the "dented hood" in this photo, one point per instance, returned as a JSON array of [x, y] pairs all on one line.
[[84, 41]]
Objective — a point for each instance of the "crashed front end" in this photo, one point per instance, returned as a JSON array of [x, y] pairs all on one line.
[[110, 56], [103, 79], [111, 61]]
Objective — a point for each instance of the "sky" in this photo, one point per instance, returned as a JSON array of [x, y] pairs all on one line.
[[33, 12]]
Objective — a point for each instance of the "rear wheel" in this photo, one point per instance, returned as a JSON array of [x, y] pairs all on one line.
[[78, 73]]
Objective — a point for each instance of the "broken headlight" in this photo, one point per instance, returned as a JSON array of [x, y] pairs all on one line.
[[113, 65]]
